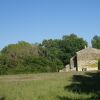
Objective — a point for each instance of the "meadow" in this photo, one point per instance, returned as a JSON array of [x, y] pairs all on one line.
[[51, 86]]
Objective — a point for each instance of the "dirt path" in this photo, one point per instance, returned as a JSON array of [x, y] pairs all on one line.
[[29, 77]]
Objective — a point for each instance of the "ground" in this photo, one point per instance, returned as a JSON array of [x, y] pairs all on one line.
[[51, 86]]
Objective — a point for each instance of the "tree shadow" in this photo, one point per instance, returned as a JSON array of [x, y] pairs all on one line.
[[69, 98], [88, 83], [2, 97], [63, 98]]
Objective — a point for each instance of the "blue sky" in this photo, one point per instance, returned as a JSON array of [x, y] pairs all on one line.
[[36, 20]]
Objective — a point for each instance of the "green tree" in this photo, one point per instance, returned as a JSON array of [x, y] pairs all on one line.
[[24, 57], [49, 56], [96, 42], [52, 48], [69, 45], [65, 48]]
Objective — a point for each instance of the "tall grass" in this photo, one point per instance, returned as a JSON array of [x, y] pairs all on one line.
[[45, 86]]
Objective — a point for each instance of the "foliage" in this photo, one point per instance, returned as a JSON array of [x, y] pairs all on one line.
[[96, 42], [26, 58], [70, 45], [65, 48], [49, 56]]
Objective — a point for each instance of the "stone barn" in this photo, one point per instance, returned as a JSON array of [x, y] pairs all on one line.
[[85, 60]]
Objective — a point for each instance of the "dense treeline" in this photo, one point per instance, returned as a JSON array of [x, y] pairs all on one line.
[[49, 56]]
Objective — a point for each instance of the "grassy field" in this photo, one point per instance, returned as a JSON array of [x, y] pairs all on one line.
[[51, 86]]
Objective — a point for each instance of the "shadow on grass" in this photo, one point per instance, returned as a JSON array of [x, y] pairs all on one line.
[[88, 83], [2, 98], [63, 98]]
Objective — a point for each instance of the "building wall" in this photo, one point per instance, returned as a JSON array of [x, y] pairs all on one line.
[[87, 59]]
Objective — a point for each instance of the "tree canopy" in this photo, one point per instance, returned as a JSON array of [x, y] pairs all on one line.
[[49, 56], [96, 42]]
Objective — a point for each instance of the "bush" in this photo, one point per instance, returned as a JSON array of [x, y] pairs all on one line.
[[28, 65]]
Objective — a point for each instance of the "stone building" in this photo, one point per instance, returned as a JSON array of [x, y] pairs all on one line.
[[85, 60]]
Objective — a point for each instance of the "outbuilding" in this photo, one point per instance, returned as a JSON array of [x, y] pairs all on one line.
[[85, 60]]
